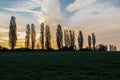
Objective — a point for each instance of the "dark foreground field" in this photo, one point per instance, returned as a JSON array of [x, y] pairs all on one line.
[[60, 65]]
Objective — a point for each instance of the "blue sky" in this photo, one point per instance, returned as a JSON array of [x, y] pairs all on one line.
[[99, 16], [67, 9]]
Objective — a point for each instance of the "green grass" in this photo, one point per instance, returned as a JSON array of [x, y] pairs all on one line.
[[58, 65]]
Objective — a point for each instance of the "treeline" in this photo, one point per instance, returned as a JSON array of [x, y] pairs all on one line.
[[45, 38]]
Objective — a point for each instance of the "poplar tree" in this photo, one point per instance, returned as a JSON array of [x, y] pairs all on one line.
[[33, 35], [68, 39], [89, 42], [48, 38], [93, 40], [27, 37], [72, 39], [80, 40], [12, 33], [65, 37], [42, 36], [59, 37]]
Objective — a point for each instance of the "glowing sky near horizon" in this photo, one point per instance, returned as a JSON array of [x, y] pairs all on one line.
[[99, 16]]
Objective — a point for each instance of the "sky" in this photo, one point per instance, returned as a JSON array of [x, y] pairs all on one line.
[[99, 16]]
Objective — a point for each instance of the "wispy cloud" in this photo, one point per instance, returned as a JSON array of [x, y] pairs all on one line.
[[49, 10], [78, 4], [88, 12]]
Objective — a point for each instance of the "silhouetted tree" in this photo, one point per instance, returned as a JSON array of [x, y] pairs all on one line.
[[113, 47], [42, 36], [89, 42], [12, 33], [48, 38], [102, 47], [27, 37], [33, 35], [66, 38], [80, 40], [70, 35], [72, 39], [106, 47], [59, 37], [93, 40], [110, 47]]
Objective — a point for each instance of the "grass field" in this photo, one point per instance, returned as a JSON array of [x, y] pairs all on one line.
[[58, 65]]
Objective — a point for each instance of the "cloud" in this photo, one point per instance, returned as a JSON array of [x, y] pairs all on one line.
[[24, 6], [115, 3], [3, 20], [78, 4], [88, 12], [49, 11], [21, 10]]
